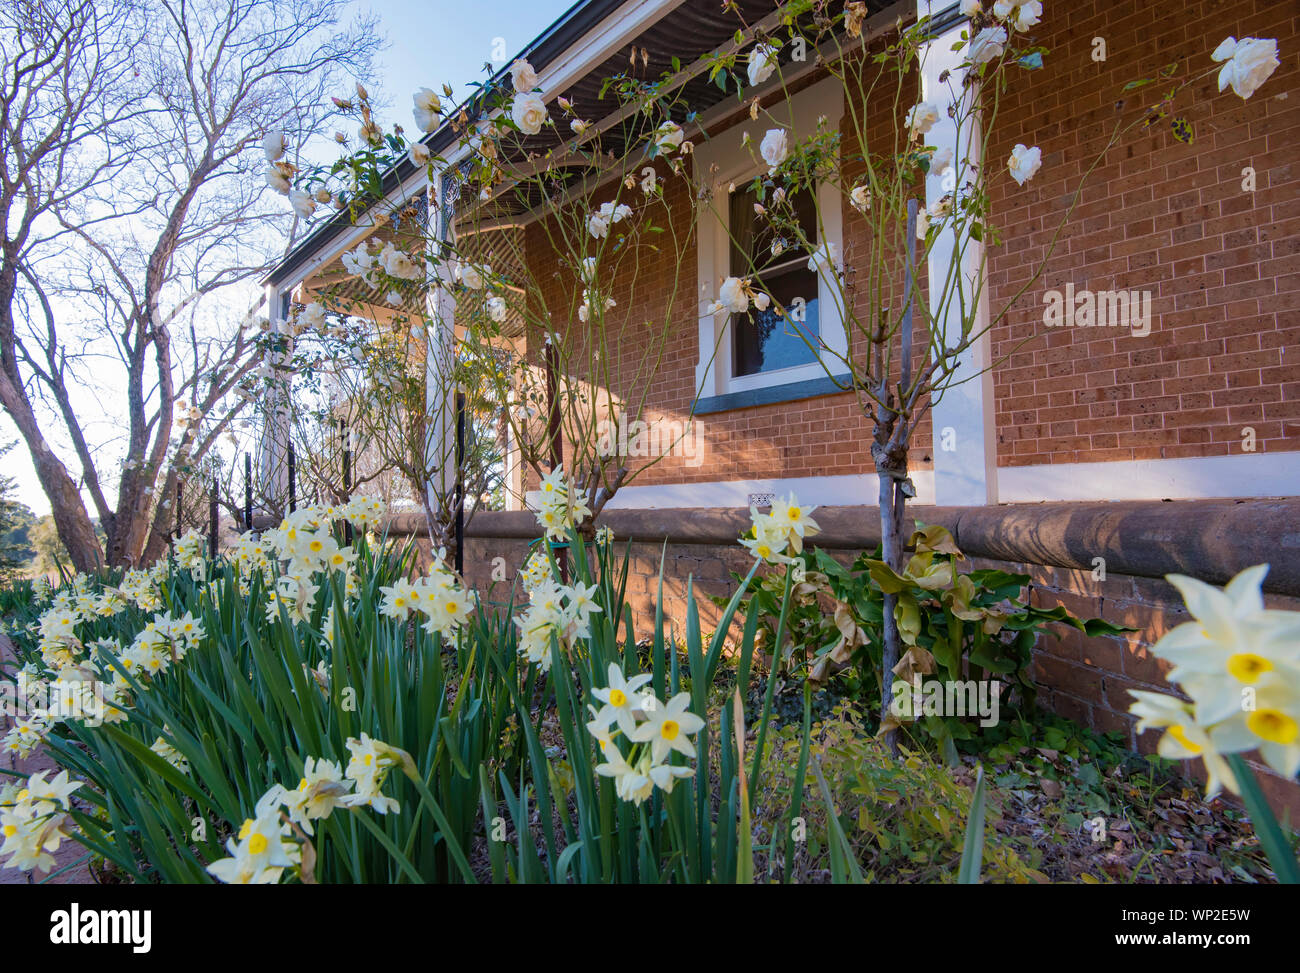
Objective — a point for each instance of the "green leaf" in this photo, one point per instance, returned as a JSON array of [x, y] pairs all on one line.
[[888, 580], [844, 864], [972, 853], [1269, 832]]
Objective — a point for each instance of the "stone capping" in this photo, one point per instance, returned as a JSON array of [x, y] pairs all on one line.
[[1208, 539]]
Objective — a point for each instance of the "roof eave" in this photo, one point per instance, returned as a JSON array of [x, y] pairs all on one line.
[[543, 49]]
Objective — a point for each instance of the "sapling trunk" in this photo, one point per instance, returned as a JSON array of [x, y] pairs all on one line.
[[892, 432], [892, 510]]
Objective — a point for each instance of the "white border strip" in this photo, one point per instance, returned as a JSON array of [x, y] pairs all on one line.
[[1191, 478], [821, 491]]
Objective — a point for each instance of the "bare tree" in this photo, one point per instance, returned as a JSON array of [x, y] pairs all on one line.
[[65, 71], [125, 294]]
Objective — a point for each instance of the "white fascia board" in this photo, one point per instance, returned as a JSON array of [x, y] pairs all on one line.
[[598, 44], [354, 235]]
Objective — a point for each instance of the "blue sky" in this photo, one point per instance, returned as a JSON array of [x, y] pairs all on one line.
[[430, 42], [449, 40]]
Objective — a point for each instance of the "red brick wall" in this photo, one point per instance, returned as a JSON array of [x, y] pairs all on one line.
[[1088, 679], [1085, 679], [823, 436], [1223, 264]]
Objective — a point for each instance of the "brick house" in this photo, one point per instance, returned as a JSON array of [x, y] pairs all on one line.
[[1170, 447]]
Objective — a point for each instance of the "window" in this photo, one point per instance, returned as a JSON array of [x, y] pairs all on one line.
[[760, 357], [764, 341]]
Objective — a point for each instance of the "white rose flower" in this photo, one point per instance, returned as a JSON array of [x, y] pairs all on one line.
[[775, 147], [1250, 61], [987, 44], [302, 204], [761, 301], [589, 298], [971, 8], [762, 62], [597, 226], [400, 265], [358, 261], [313, 316], [426, 107], [394, 298], [588, 270], [1027, 14], [274, 146], [940, 208], [732, 296], [418, 154], [579, 126], [668, 136], [921, 118], [523, 76], [860, 198], [922, 224], [472, 277], [496, 308], [275, 179], [1024, 163], [529, 113]]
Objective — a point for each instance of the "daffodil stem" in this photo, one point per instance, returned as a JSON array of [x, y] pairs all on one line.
[[1271, 836]]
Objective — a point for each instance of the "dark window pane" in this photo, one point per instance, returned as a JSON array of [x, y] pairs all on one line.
[[767, 340], [752, 238]]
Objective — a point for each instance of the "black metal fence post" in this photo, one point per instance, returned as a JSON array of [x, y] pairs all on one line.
[[347, 475], [212, 519], [554, 432], [293, 501], [248, 491]]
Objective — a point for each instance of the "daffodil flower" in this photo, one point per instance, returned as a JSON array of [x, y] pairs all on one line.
[[621, 698], [668, 727], [1240, 664], [1183, 739]]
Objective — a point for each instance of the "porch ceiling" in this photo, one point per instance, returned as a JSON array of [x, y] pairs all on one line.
[[690, 31]]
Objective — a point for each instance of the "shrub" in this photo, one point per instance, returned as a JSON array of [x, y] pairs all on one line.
[[905, 820]]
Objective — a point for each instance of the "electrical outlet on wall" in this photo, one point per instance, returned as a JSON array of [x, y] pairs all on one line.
[[762, 499]]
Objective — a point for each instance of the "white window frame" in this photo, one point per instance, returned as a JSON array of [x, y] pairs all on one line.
[[736, 165]]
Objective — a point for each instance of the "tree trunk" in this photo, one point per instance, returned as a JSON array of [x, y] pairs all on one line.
[[891, 471], [155, 545], [70, 518], [440, 533], [891, 553]]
